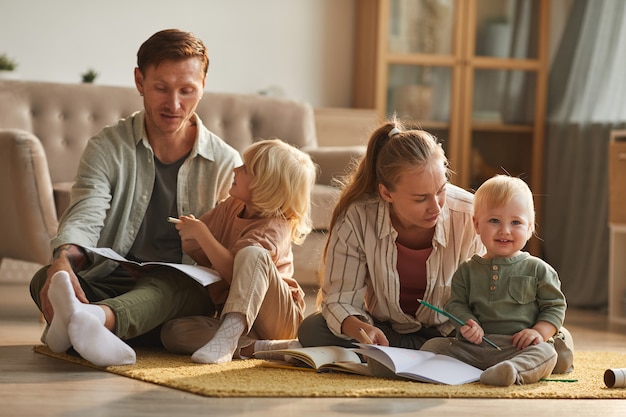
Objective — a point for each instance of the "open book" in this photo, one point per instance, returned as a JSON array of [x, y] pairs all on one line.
[[318, 358], [382, 361], [202, 274], [418, 365]]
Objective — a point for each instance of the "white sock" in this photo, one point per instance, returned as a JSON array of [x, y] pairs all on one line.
[[64, 303], [265, 345], [264, 349], [221, 348], [96, 343]]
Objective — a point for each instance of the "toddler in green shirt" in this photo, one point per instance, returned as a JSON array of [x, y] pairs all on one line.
[[507, 295]]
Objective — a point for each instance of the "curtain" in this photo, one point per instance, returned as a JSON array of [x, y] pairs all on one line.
[[586, 100]]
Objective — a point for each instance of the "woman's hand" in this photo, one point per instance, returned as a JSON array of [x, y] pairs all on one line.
[[352, 326]]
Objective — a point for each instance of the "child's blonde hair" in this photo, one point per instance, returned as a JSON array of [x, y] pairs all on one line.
[[498, 191], [283, 180]]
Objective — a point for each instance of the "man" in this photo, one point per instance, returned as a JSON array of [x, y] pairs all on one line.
[[157, 163]]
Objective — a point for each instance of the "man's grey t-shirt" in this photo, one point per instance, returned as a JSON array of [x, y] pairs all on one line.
[[157, 239]]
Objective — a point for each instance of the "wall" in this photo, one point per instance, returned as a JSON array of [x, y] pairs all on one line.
[[302, 47]]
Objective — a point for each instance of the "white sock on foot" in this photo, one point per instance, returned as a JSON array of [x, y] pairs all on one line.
[[96, 343], [263, 345], [264, 349], [221, 348], [64, 303]]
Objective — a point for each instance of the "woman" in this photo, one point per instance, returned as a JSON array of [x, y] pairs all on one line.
[[397, 235]]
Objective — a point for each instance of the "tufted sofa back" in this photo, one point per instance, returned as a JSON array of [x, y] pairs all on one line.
[[242, 119], [65, 116], [44, 128]]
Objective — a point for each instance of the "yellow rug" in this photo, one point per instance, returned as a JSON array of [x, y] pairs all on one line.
[[248, 378]]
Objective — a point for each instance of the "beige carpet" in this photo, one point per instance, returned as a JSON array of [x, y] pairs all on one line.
[[248, 378]]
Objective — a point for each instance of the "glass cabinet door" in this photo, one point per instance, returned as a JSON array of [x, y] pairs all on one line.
[[506, 28], [472, 72], [505, 34], [421, 26], [421, 56], [503, 96], [420, 93], [505, 70]]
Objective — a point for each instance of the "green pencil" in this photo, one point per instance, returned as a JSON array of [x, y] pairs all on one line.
[[558, 380], [452, 317]]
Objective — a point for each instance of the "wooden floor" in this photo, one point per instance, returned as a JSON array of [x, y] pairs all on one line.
[[35, 385]]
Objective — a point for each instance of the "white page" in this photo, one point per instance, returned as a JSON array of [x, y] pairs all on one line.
[[422, 365], [396, 359], [202, 274], [443, 369]]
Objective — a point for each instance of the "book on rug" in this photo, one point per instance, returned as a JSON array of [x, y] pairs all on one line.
[[202, 274], [382, 361], [417, 365], [318, 358]]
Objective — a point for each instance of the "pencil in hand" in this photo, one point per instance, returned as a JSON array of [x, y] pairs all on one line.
[[452, 317], [365, 336]]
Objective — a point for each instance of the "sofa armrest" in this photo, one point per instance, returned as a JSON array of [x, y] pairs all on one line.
[[28, 217], [335, 161]]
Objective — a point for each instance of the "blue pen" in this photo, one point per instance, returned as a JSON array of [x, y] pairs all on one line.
[[450, 316]]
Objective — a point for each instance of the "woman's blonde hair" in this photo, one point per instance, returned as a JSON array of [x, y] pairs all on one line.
[[283, 180], [391, 152], [498, 191]]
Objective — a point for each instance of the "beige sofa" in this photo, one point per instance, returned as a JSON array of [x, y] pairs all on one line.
[[44, 128]]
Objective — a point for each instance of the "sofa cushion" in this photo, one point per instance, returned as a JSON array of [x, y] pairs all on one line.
[[323, 199], [242, 119], [62, 192], [63, 116]]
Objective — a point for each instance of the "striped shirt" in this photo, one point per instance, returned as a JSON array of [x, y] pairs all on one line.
[[361, 277]]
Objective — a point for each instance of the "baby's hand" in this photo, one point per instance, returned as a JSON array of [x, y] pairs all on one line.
[[525, 338], [472, 332]]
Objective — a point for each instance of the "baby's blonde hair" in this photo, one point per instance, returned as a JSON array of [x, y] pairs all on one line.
[[498, 191], [283, 180]]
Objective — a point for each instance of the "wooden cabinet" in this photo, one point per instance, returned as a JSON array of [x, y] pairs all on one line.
[[617, 226], [617, 274], [472, 72]]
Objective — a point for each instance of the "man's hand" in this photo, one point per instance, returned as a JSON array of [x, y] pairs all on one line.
[[66, 257]]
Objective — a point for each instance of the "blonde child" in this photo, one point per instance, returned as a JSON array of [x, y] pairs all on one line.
[[247, 238], [506, 294]]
